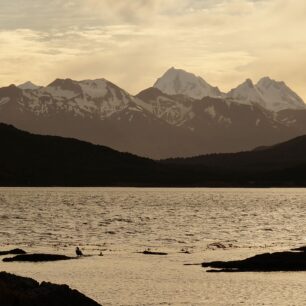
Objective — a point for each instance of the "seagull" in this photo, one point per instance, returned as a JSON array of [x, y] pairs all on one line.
[[78, 251]]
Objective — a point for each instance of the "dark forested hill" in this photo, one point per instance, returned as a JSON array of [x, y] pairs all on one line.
[[283, 164], [34, 160], [27, 159], [290, 153]]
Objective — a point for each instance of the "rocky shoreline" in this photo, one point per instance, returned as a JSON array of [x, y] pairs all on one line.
[[16, 290], [294, 260]]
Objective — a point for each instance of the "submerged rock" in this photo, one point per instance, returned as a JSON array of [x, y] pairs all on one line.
[[267, 262], [12, 252], [16, 290], [185, 251], [148, 252], [37, 258], [216, 245]]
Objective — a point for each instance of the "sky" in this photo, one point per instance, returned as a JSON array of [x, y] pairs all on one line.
[[133, 42]]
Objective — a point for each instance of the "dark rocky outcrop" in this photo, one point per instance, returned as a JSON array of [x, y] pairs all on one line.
[[17, 291], [37, 258], [300, 249], [13, 252], [267, 262], [148, 252]]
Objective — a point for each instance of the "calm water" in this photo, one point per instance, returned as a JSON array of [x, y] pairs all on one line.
[[169, 218], [123, 221]]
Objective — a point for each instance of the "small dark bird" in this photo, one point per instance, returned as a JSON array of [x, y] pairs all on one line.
[[78, 251]]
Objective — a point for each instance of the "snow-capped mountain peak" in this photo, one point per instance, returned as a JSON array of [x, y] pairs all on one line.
[[87, 99], [246, 93], [102, 88], [28, 86], [270, 94], [178, 81], [159, 122], [278, 95]]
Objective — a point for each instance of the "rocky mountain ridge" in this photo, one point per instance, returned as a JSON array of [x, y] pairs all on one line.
[[187, 117]]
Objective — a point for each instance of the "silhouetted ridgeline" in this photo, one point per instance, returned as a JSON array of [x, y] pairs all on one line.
[[33, 160]]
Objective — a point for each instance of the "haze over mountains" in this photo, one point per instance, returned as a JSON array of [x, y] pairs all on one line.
[[181, 115]]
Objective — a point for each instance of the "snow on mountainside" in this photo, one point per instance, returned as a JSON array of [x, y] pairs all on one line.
[[218, 125], [174, 109], [246, 93], [89, 98], [96, 111], [278, 95], [272, 95], [188, 120], [177, 81]]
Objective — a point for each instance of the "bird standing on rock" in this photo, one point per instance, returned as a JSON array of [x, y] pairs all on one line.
[[78, 251]]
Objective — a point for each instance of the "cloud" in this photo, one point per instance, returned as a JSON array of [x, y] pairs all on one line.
[[132, 42]]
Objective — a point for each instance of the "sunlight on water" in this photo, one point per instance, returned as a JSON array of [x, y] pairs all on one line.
[[159, 217], [123, 221]]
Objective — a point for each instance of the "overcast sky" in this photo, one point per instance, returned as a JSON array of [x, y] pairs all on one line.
[[132, 42]]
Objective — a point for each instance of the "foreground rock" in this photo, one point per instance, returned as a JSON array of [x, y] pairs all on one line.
[[37, 258], [12, 252], [16, 290], [300, 249], [267, 262]]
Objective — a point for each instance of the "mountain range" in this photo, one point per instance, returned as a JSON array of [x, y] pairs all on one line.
[[36, 160], [180, 116]]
